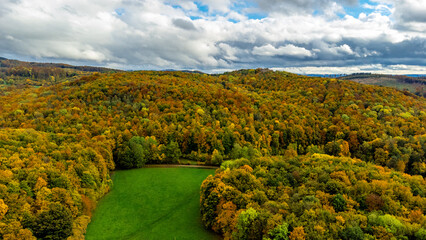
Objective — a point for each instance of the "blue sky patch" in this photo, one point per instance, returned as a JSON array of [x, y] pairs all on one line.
[[194, 17], [360, 8], [120, 11], [233, 20], [256, 16], [202, 7]]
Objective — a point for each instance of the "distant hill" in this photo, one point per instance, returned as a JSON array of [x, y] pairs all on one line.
[[327, 75], [416, 85], [19, 73]]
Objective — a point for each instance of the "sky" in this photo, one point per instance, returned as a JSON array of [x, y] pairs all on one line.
[[300, 36]]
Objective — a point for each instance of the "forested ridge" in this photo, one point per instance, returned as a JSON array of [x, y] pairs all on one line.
[[59, 143], [22, 74]]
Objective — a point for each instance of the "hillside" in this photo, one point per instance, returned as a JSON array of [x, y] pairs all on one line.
[[415, 85], [58, 143], [19, 73]]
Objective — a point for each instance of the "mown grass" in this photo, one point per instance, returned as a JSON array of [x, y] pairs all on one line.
[[152, 203]]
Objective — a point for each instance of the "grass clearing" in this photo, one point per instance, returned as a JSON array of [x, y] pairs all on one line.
[[152, 203]]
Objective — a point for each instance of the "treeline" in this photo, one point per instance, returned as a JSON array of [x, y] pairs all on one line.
[[313, 197], [161, 117], [8, 63]]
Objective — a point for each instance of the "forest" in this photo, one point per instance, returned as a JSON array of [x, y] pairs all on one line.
[[315, 196], [291, 149]]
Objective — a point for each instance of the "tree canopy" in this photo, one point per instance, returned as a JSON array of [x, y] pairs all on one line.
[[59, 142], [313, 197]]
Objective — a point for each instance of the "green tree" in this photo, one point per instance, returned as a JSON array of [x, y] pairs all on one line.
[[125, 158], [249, 225], [280, 232], [421, 234], [217, 158], [237, 152], [53, 224], [173, 152], [352, 233], [138, 151], [339, 203]]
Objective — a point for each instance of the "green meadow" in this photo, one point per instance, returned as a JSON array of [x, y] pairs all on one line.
[[152, 203]]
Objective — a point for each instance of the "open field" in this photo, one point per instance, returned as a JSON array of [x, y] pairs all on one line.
[[152, 203]]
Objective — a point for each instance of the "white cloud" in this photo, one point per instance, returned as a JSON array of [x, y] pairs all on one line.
[[342, 49], [229, 52], [287, 50], [188, 6], [411, 14], [218, 5]]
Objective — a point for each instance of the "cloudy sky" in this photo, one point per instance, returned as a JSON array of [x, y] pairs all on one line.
[[302, 36]]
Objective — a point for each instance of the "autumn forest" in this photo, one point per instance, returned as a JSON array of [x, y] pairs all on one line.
[[299, 157]]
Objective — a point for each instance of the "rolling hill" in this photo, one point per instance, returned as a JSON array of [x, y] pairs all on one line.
[[19, 73], [416, 85]]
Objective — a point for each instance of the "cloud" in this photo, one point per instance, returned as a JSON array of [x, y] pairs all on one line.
[[213, 5], [211, 35], [411, 10], [184, 24], [372, 68], [287, 50], [411, 14], [218, 5], [341, 50], [229, 53], [302, 6]]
